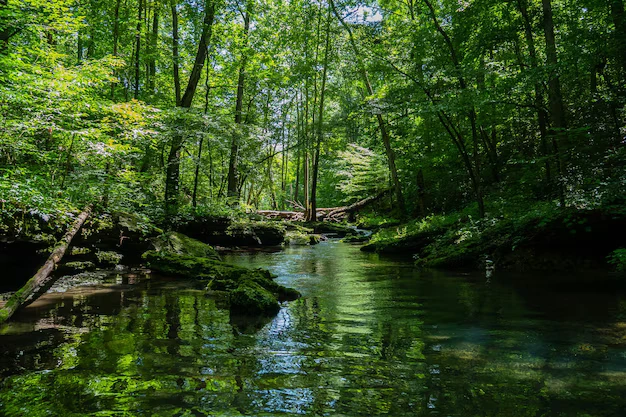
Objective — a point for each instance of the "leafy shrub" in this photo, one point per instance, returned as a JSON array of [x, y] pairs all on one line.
[[617, 258]]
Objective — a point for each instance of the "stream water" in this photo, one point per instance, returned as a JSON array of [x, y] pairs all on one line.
[[371, 336]]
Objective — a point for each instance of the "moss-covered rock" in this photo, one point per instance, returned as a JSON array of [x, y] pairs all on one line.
[[251, 298], [180, 244], [244, 285], [75, 267], [299, 238], [108, 258], [125, 233], [224, 231], [355, 238]]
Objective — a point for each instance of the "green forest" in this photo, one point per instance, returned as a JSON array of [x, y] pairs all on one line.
[[456, 131], [312, 207]]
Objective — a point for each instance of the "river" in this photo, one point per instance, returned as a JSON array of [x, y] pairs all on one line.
[[371, 336]]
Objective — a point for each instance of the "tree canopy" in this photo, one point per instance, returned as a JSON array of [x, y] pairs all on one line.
[[168, 107]]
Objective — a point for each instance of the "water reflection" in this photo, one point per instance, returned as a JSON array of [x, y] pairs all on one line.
[[371, 337]]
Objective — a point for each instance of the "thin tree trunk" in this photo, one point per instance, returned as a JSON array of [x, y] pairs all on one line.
[[154, 38], [619, 19], [116, 38], [42, 281], [234, 146], [298, 152], [421, 193], [557, 109], [138, 48], [5, 29], [542, 115], [199, 157], [175, 52]]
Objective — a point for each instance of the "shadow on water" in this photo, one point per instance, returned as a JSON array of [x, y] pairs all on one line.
[[372, 336]]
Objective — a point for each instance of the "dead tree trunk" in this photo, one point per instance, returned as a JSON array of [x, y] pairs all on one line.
[[357, 206], [42, 281]]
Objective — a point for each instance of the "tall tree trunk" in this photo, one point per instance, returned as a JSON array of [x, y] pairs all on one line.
[[154, 38], [320, 127], [234, 146], [173, 159], [138, 48], [619, 19], [116, 38], [5, 28], [199, 157], [557, 109], [421, 194], [542, 114], [391, 157], [175, 52], [296, 193], [79, 48]]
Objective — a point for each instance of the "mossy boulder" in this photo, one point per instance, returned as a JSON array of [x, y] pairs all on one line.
[[251, 291], [251, 298], [224, 231], [355, 238], [75, 267], [108, 258], [180, 244], [300, 238], [125, 233]]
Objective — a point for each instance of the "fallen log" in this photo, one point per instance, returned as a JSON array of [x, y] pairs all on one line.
[[42, 280], [287, 215], [325, 213], [339, 211]]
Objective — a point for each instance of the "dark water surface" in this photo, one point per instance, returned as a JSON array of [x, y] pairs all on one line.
[[371, 337]]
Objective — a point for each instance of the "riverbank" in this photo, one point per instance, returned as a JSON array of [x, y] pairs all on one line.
[[541, 238], [122, 241]]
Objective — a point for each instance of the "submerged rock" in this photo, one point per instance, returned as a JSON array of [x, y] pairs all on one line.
[[250, 291]]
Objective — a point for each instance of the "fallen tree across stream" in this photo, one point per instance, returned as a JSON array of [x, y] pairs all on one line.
[[334, 214], [43, 279]]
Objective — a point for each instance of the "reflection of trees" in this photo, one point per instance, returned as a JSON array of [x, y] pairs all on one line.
[[371, 338], [346, 349], [167, 351]]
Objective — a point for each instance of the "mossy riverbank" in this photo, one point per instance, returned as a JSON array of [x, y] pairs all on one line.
[[122, 240], [539, 239]]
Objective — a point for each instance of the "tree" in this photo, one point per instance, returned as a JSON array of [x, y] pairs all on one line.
[[173, 160]]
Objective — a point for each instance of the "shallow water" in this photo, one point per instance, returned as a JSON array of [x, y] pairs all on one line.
[[372, 336]]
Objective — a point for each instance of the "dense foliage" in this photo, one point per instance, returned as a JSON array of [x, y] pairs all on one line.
[[166, 107]]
